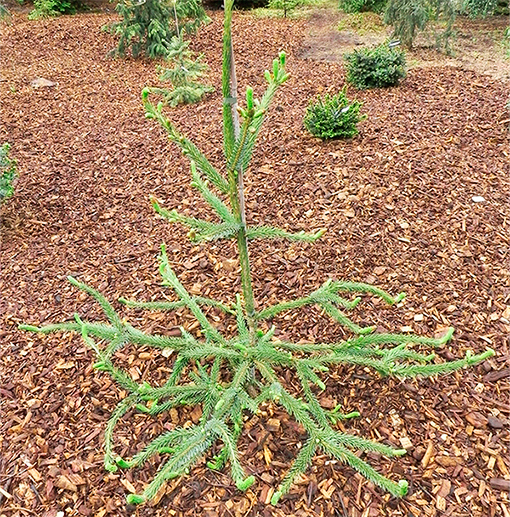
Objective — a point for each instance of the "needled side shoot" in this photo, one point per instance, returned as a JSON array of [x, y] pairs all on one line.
[[231, 375]]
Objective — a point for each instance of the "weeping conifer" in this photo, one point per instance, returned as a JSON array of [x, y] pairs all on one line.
[[147, 26], [408, 17]]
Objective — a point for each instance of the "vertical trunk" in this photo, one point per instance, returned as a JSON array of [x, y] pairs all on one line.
[[236, 177]]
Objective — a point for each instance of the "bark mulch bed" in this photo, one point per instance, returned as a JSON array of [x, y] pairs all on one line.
[[397, 202]]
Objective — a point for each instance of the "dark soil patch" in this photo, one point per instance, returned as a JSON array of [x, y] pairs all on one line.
[[398, 205]]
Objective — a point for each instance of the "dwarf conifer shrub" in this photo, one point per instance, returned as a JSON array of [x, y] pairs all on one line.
[[378, 67], [231, 374], [333, 116], [147, 26], [8, 173], [184, 75]]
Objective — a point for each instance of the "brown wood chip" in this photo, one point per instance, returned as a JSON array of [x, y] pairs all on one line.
[[500, 484]]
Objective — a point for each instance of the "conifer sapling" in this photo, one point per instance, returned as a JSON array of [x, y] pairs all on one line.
[[183, 76], [232, 375]]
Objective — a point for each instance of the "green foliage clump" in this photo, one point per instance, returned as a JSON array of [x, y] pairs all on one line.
[[379, 67], [8, 173], [5, 15], [183, 76], [506, 42], [479, 8], [333, 117], [358, 6], [409, 16], [286, 6], [47, 8], [147, 26], [229, 375]]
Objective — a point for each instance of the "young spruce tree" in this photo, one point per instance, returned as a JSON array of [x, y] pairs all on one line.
[[229, 376], [147, 26]]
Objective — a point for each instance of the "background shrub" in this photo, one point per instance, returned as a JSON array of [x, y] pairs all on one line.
[[333, 117], [377, 67], [45, 8], [358, 6], [147, 26], [479, 8], [351, 6], [8, 173]]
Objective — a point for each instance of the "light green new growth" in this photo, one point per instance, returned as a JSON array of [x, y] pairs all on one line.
[[231, 375]]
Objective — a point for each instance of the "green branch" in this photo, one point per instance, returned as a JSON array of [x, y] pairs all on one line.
[[169, 278], [200, 229], [214, 202], [188, 148], [172, 306]]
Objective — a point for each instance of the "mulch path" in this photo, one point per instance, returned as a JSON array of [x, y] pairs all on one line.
[[397, 202]]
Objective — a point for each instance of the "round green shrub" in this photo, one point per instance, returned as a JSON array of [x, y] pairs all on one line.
[[333, 117], [378, 67]]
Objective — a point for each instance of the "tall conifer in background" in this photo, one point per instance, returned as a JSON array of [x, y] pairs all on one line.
[[408, 17], [147, 26]]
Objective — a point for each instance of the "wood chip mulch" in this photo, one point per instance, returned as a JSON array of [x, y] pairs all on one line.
[[397, 202]]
